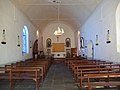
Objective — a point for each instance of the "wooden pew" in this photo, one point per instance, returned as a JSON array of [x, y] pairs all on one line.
[[80, 69], [86, 62], [23, 73], [76, 66], [69, 59], [3, 75], [41, 67], [43, 64], [35, 70], [108, 77], [82, 73]]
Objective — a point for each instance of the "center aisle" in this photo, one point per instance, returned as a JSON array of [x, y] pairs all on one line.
[[59, 78]]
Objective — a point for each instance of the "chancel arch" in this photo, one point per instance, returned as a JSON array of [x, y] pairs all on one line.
[[67, 35]]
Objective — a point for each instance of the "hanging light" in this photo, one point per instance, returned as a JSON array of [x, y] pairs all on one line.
[[59, 30]]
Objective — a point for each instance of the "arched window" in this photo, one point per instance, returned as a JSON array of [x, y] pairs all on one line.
[[118, 27], [25, 44]]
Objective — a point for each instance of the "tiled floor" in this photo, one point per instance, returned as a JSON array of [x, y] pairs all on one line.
[[58, 77]]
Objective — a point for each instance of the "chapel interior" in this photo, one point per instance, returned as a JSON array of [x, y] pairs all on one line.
[[59, 44]]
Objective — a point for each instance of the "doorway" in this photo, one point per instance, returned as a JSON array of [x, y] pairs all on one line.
[[90, 50]]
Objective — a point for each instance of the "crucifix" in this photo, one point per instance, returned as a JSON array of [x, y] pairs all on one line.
[[57, 39]]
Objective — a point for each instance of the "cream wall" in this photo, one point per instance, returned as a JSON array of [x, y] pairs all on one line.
[[49, 30], [103, 19], [12, 20]]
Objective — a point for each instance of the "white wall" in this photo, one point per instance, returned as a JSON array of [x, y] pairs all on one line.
[[49, 30], [103, 19], [12, 20]]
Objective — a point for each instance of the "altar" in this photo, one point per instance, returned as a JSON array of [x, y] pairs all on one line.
[[56, 55]]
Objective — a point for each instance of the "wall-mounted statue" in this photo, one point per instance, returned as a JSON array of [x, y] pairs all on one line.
[[82, 42], [48, 43], [35, 49], [68, 42]]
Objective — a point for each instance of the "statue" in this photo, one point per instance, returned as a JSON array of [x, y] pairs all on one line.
[[48, 43], [68, 42], [35, 49]]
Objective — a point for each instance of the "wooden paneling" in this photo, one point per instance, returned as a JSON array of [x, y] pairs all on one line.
[[58, 47], [73, 52]]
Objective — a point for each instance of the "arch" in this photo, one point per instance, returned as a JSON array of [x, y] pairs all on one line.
[[118, 27], [68, 32], [25, 39]]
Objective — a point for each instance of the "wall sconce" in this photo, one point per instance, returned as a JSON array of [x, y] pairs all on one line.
[[30, 44], [97, 40], [3, 38], [18, 41], [108, 37]]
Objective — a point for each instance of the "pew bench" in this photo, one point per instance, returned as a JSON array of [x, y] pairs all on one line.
[[23, 73], [111, 80], [82, 74], [77, 68]]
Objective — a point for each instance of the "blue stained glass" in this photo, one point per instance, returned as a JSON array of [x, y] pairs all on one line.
[[25, 40]]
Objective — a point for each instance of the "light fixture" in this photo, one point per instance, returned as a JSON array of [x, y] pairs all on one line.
[[97, 40], [18, 41], [3, 38], [59, 30], [108, 37]]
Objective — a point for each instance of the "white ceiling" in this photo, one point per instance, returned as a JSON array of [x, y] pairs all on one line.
[[42, 12]]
